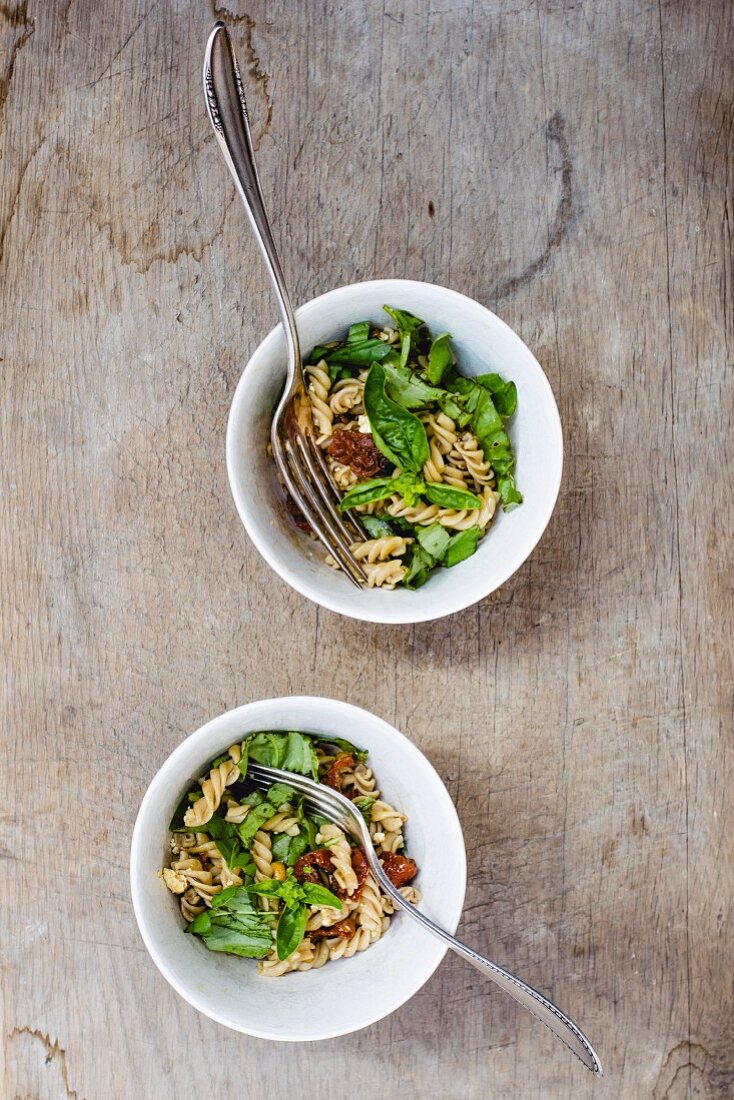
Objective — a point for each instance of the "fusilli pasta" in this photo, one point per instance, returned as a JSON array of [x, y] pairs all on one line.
[[240, 880]]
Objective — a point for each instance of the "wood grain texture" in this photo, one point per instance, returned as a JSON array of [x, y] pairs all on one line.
[[570, 165]]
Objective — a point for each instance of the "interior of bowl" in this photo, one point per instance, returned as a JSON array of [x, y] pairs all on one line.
[[342, 996], [483, 343]]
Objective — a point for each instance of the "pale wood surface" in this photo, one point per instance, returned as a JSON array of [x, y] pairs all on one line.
[[570, 165]]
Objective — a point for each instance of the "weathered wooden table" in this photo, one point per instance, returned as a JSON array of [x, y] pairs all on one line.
[[570, 165]]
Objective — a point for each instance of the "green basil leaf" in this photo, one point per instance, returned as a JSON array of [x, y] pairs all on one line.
[[409, 486], [300, 755], [396, 432], [281, 847], [200, 924], [366, 492], [408, 388], [420, 565], [338, 374], [340, 743], [462, 545], [250, 941], [307, 836], [279, 793], [412, 332], [314, 894], [217, 828], [404, 321], [257, 816], [242, 762], [445, 496], [510, 495], [291, 930], [269, 887], [318, 353], [376, 527], [235, 899], [364, 805], [504, 394], [440, 358], [290, 751], [359, 355], [433, 539], [450, 406], [267, 748], [299, 845], [244, 862], [359, 332]]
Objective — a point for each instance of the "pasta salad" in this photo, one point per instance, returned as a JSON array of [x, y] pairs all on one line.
[[260, 876], [419, 451]]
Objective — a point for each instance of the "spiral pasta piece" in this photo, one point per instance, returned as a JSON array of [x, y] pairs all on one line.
[[323, 916], [212, 789], [300, 959], [360, 781], [387, 817], [440, 427], [373, 550], [420, 513], [344, 476], [455, 476], [370, 911], [385, 574], [411, 894], [345, 396], [197, 878], [191, 905], [345, 949], [318, 391], [468, 451], [391, 842], [341, 857], [283, 822], [262, 855], [433, 468]]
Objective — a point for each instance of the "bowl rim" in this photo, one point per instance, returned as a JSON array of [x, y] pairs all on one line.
[[202, 735], [294, 578]]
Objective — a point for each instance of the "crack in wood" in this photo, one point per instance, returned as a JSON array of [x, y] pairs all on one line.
[[54, 1051], [14, 17], [556, 135]]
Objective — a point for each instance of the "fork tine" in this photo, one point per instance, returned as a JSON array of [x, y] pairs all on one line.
[[323, 484], [339, 545], [311, 517], [350, 515], [325, 801]]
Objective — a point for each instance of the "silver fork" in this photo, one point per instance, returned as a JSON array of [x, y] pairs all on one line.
[[299, 459], [338, 809]]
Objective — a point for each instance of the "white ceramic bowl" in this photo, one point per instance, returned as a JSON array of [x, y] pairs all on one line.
[[483, 343], [340, 997]]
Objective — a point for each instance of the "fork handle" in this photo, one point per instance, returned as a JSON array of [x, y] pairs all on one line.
[[558, 1022], [225, 101]]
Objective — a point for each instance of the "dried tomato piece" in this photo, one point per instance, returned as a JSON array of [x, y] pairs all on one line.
[[361, 869], [345, 929], [399, 869], [358, 450], [297, 515], [305, 868], [342, 762]]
